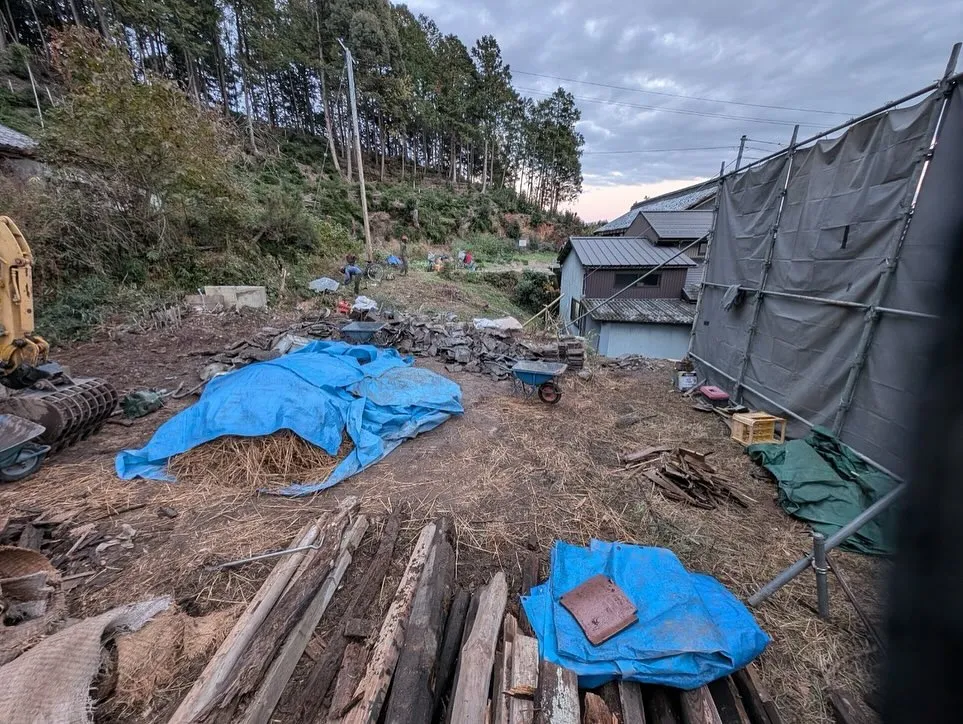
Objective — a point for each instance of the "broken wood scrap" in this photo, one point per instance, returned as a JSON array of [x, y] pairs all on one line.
[[846, 708], [369, 696], [685, 476], [412, 696], [289, 609], [308, 703], [759, 704], [523, 680], [349, 675], [597, 711], [30, 537], [269, 693], [215, 674], [556, 700], [529, 565], [451, 643], [469, 700]]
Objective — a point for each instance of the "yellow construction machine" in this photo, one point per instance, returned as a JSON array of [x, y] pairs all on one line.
[[45, 409]]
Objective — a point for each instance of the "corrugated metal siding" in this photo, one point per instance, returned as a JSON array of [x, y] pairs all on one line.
[[659, 341], [600, 284], [695, 275], [624, 251], [573, 275]]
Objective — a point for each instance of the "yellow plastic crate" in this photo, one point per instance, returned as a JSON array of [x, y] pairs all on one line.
[[750, 428]]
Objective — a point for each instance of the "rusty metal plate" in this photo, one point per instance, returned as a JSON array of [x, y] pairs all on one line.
[[600, 607]]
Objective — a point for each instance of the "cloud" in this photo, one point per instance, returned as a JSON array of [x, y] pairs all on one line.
[[846, 57]]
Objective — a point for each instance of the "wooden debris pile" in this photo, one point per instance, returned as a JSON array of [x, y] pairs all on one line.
[[683, 475]]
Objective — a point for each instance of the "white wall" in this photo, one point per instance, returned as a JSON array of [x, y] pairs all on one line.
[[573, 279], [661, 341]]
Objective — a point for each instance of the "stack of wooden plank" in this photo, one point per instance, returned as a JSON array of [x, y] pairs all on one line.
[[685, 476]]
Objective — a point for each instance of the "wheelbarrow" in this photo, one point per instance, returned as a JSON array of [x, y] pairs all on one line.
[[361, 332], [19, 456], [536, 377]]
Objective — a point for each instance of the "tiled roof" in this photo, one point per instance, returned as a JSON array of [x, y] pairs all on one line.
[[680, 200], [621, 223], [622, 251], [679, 224], [15, 141], [643, 311]]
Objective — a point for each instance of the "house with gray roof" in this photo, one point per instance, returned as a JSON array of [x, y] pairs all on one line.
[[625, 295]]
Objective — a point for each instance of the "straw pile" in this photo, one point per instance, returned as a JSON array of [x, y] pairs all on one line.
[[252, 463]]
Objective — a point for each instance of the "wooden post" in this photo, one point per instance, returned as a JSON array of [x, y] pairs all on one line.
[[556, 701], [222, 663], [728, 701], [370, 694], [633, 710], [450, 645], [529, 565], [502, 673], [523, 681], [597, 711], [660, 709], [698, 707], [277, 677], [357, 147], [470, 698]]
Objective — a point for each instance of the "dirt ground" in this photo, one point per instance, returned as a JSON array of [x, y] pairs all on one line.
[[511, 472]]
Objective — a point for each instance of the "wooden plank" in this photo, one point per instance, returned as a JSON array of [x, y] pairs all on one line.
[[523, 681], [308, 703], [253, 664], [612, 698], [502, 673], [556, 700], [530, 566], [659, 705], [846, 708], [450, 645], [269, 693], [352, 669], [751, 698], [596, 711], [412, 696], [644, 453], [633, 709], [230, 650], [358, 628], [369, 697], [728, 701], [466, 632], [698, 707], [30, 537], [470, 696]]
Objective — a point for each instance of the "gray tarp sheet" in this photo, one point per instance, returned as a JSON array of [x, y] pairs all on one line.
[[846, 202]]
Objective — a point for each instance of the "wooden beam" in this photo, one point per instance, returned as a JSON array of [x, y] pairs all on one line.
[[728, 701], [369, 697], [845, 708], [502, 673], [556, 701], [269, 693], [748, 686], [530, 566], [596, 711], [698, 707], [316, 685], [450, 645], [523, 681], [412, 696], [470, 697], [660, 709], [252, 665], [219, 667], [352, 669], [633, 708]]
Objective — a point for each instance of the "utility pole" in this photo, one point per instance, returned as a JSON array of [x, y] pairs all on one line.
[[742, 147], [357, 147]]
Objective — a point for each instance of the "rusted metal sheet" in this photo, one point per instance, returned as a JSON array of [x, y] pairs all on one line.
[[600, 607]]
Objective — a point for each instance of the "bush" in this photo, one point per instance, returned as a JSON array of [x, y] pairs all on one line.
[[535, 290], [490, 248]]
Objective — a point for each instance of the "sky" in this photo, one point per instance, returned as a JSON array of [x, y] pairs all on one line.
[[763, 65]]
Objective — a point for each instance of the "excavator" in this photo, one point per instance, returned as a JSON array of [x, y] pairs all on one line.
[[44, 409]]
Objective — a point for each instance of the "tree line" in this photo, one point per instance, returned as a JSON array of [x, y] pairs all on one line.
[[427, 104]]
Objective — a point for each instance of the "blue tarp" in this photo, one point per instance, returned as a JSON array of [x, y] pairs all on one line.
[[691, 630], [318, 392]]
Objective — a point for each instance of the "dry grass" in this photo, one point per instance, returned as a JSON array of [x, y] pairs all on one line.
[[256, 463]]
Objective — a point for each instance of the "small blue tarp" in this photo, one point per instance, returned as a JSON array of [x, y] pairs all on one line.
[[691, 630], [319, 392]]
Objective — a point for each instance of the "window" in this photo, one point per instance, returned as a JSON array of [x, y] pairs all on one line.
[[624, 280]]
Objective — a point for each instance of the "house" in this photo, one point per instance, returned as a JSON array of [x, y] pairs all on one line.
[[647, 317]]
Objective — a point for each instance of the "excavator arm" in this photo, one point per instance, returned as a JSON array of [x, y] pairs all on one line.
[[19, 346]]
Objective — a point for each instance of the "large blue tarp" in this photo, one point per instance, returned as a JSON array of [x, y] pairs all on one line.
[[691, 630], [319, 392]]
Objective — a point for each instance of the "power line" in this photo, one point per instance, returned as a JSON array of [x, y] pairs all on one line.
[[661, 150], [688, 97], [680, 111], [771, 143]]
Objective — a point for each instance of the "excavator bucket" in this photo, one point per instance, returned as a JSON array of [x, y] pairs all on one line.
[[68, 412]]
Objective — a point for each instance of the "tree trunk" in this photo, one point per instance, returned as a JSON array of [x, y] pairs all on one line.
[[384, 144], [76, 15], [221, 81], [43, 38], [14, 33], [453, 166], [101, 19], [485, 167], [470, 176], [325, 105]]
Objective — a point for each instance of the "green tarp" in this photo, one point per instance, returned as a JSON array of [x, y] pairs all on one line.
[[821, 481]]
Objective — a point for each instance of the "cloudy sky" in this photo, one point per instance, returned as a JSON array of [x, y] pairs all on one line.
[[761, 65]]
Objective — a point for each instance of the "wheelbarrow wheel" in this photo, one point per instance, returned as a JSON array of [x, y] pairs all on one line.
[[549, 393], [19, 471]]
